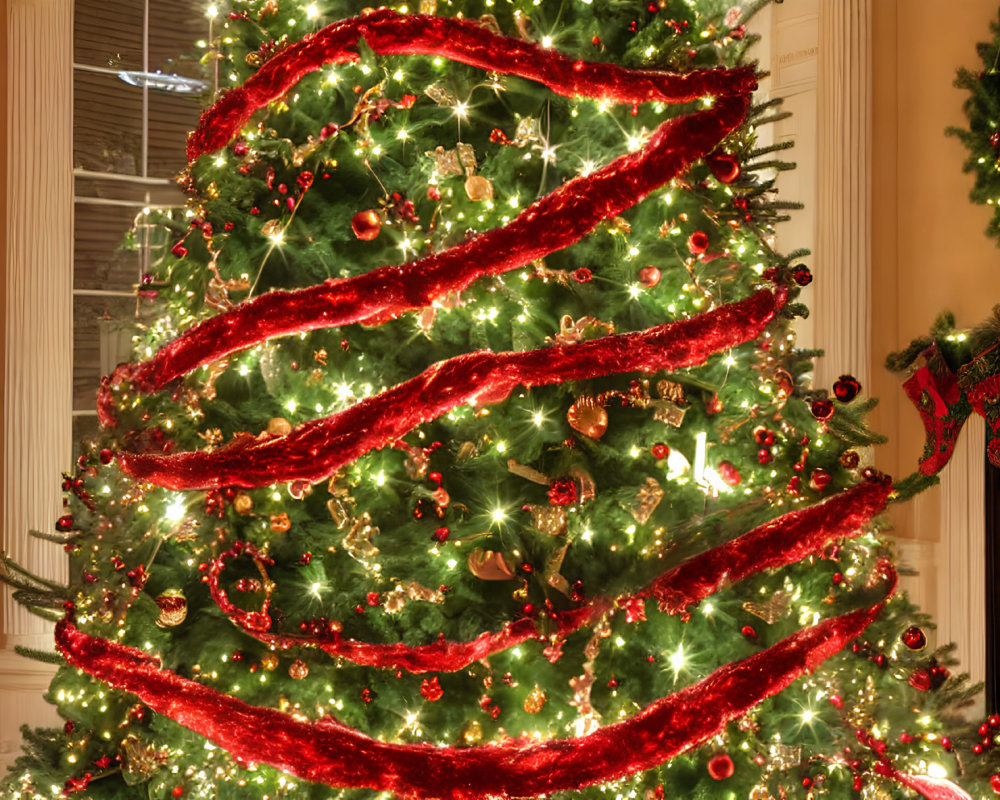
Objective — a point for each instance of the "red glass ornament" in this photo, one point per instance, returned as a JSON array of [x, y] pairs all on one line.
[[822, 410], [649, 276], [764, 456], [177, 791], [721, 767], [749, 633], [801, 275], [698, 242], [819, 479], [441, 534], [995, 782], [179, 250], [562, 492], [660, 450], [846, 388], [366, 225], [372, 598], [106, 456], [914, 638], [920, 679], [64, 523], [431, 689], [729, 473], [946, 743], [724, 167]]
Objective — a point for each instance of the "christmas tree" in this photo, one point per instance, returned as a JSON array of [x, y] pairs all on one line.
[[471, 454]]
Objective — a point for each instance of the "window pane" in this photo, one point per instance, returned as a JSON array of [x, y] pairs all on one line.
[[108, 34], [84, 428], [100, 259], [107, 124], [173, 30], [171, 117], [102, 332]]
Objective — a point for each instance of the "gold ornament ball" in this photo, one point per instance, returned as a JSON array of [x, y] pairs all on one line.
[[279, 426], [298, 669], [269, 661], [649, 276], [588, 417], [489, 566], [173, 608], [534, 702], [366, 225], [280, 523], [478, 188], [242, 503]]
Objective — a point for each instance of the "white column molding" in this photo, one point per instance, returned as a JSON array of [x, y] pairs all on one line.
[[843, 237], [960, 573], [39, 280]]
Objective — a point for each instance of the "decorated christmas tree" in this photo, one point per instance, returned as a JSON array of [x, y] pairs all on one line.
[[471, 454]]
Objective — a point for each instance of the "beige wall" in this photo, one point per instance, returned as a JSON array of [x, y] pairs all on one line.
[[929, 251]]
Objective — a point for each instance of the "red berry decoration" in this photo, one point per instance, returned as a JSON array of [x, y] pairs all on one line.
[[177, 791], [179, 250], [724, 167], [698, 243], [995, 782], [582, 275], [801, 275], [720, 767], [729, 473], [846, 388], [822, 410], [660, 450], [441, 534], [914, 638], [764, 456], [562, 492], [763, 436], [749, 633], [649, 276], [64, 523], [366, 225], [431, 689]]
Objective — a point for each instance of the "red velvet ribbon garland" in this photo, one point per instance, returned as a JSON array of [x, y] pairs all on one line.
[[329, 752], [782, 541], [387, 32], [551, 223], [316, 449]]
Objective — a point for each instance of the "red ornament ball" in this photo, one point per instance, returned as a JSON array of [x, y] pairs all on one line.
[[819, 479], [366, 225], [995, 782], [660, 450], [177, 791], [764, 456], [749, 633], [729, 473], [649, 276], [822, 410], [698, 243], [724, 167], [846, 388], [914, 638], [763, 436], [64, 523], [562, 492], [920, 679], [106, 456], [720, 767], [801, 275]]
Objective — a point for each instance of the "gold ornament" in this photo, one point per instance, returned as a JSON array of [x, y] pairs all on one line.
[[298, 669], [775, 607], [490, 566], [647, 499], [269, 661], [279, 426], [553, 564], [401, 593], [173, 608], [784, 757], [243, 504], [473, 733], [442, 97], [478, 188], [428, 7], [467, 157], [550, 520], [534, 702], [358, 541], [272, 229], [366, 225], [280, 523], [213, 438], [671, 390], [140, 760], [668, 413], [588, 416]]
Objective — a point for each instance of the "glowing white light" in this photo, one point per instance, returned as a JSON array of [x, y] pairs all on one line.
[[700, 449], [316, 588], [807, 715], [634, 290], [498, 515], [461, 110], [538, 418], [176, 510], [546, 41], [678, 659], [677, 465], [380, 478], [936, 771], [212, 12], [291, 405], [501, 447], [402, 134], [312, 11], [452, 563]]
